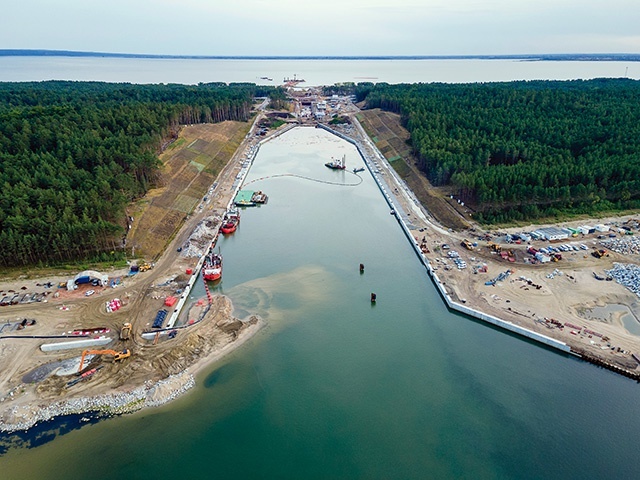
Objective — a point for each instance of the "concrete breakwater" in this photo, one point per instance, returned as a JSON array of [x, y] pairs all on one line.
[[23, 417]]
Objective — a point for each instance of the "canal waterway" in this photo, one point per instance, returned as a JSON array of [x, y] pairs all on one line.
[[335, 387]]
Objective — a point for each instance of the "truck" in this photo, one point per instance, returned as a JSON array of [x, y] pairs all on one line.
[[467, 244], [125, 331]]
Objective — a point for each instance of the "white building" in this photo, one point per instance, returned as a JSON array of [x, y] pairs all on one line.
[[542, 258], [553, 233]]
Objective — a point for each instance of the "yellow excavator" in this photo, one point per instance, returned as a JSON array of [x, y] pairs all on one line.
[[117, 356]]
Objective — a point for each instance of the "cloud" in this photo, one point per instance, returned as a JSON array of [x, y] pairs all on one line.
[[332, 27]]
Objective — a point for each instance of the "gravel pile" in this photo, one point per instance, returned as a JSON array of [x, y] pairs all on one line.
[[626, 245], [148, 395], [199, 241], [627, 275]]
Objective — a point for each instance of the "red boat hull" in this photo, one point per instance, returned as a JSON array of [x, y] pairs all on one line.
[[212, 277], [228, 228], [212, 268], [230, 222]]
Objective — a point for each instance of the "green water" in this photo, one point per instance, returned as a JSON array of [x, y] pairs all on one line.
[[335, 387]]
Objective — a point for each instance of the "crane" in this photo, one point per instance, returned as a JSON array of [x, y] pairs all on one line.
[[116, 355]]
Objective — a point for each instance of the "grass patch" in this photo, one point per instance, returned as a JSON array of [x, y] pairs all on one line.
[[199, 155], [65, 269], [178, 143], [400, 166], [185, 204]]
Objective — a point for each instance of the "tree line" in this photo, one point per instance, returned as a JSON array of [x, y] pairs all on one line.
[[73, 155], [523, 150]]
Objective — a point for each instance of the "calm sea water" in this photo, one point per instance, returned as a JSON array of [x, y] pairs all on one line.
[[336, 387], [315, 72]]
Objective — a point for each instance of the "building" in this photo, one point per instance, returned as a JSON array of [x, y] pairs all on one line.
[[553, 233]]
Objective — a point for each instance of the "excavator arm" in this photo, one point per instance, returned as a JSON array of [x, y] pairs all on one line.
[[116, 355]]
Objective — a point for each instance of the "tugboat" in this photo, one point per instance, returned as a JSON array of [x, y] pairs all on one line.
[[230, 221], [212, 268], [337, 164]]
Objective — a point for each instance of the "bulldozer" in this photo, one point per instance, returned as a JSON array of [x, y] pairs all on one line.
[[117, 356], [125, 331]]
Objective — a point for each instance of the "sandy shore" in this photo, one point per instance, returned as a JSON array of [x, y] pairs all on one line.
[[129, 398]]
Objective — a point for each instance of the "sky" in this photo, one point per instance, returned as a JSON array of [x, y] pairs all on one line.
[[323, 27]]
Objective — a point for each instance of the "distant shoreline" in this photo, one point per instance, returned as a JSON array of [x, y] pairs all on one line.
[[565, 57]]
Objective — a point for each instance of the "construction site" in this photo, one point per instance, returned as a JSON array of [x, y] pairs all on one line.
[[548, 279], [120, 340]]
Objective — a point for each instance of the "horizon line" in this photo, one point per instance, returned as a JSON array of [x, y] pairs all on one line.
[[530, 56]]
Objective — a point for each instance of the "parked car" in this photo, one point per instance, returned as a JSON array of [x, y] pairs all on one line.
[[88, 293]]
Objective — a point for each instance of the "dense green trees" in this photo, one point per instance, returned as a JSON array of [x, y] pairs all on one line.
[[74, 154], [521, 150]]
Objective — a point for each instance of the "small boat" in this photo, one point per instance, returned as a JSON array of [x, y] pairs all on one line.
[[259, 197], [230, 221], [245, 203], [212, 268], [358, 169], [337, 164]]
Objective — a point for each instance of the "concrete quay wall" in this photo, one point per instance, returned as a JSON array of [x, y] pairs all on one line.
[[538, 337]]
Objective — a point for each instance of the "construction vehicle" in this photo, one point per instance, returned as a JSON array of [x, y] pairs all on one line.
[[117, 356], [599, 253], [494, 247], [467, 244], [125, 331], [145, 266]]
